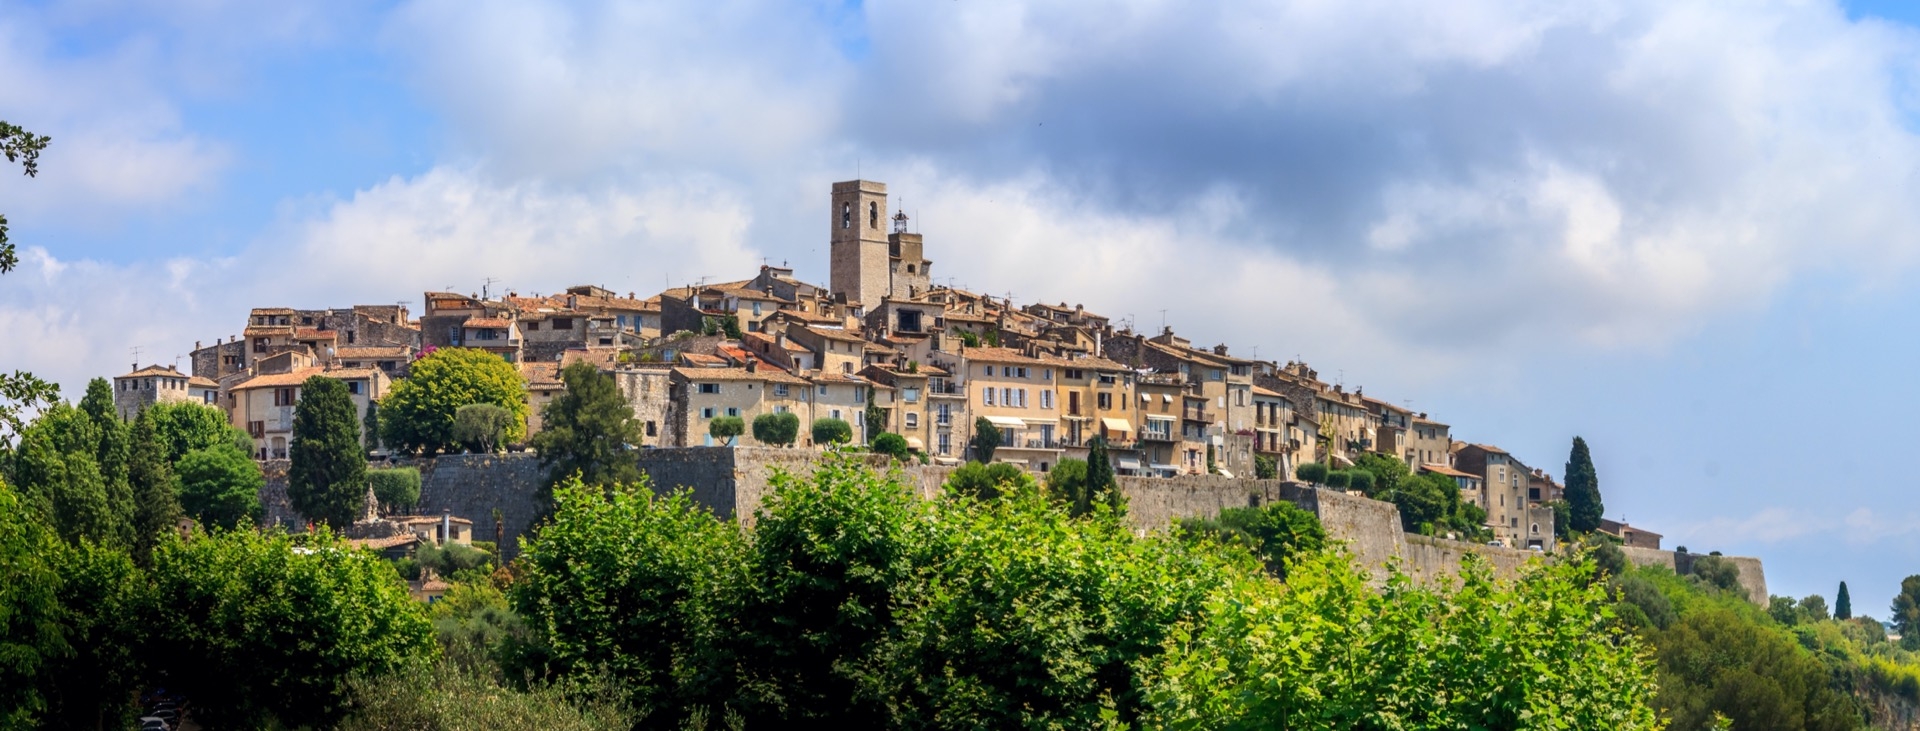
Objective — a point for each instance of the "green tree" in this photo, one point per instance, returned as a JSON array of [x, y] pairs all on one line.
[[57, 472], [417, 415], [1906, 612], [1562, 519], [1842, 604], [1360, 480], [255, 631], [1583, 490], [892, 445], [1101, 485], [876, 417], [1274, 533], [1265, 468], [830, 431], [30, 610], [186, 426], [986, 438], [447, 696], [778, 429], [397, 488], [103, 600], [327, 480], [589, 431], [1339, 479], [22, 393], [370, 427], [220, 487], [726, 428], [969, 340], [1722, 574], [481, 428], [1813, 608], [987, 481], [156, 492], [1067, 486], [1313, 472], [652, 608], [112, 451], [1715, 660], [1386, 472], [22, 147]]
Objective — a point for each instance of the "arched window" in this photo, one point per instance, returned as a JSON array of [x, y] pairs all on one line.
[[873, 214], [846, 215]]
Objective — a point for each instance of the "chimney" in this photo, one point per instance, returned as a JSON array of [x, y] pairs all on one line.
[[753, 365], [1220, 349]]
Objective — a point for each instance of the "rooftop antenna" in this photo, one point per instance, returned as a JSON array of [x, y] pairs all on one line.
[[1163, 320], [136, 357]]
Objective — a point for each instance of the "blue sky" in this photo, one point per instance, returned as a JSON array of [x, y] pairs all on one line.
[[1683, 230]]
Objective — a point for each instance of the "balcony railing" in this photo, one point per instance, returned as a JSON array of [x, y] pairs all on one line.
[[1152, 435], [944, 389], [1199, 415]]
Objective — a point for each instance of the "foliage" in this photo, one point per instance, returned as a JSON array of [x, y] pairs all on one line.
[[638, 586], [1721, 574], [186, 426], [30, 610], [726, 428], [1067, 486], [969, 339], [1328, 651], [1339, 479], [453, 559], [1360, 480], [417, 415], [1312, 472], [1101, 485], [1265, 468], [1813, 608], [103, 600], [986, 438], [253, 629], [57, 472], [21, 393], [1213, 468], [1842, 604], [370, 425], [21, 146], [220, 486], [1583, 490], [397, 488], [447, 697], [777, 429], [156, 491], [830, 431], [589, 431], [1713, 660], [1274, 533], [1562, 519], [481, 428], [1906, 612], [987, 482], [327, 480], [892, 445], [876, 417]]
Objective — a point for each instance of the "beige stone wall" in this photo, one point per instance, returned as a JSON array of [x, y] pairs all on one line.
[[1753, 574]]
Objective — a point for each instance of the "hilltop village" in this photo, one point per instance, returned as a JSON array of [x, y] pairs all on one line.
[[882, 339]]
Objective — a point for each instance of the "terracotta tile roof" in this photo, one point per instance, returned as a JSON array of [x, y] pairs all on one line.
[[597, 356], [314, 333], [698, 359], [486, 322], [1270, 393], [770, 375], [1094, 363], [347, 373], [1424, 420], [381, 544], [203, 382], [998, 355], [831, 334], [260, 331], [1441, 469], [540, 374], [352, 352], [278, 380], [154, 370], [273, 310]]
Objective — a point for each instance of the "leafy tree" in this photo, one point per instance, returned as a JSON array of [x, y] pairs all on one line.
[[481, 427], [986, 438], [57, 472], [327, 480], [1722, 574], [417, 415], [220, 487], [876, 416], [1714, 660], [254, 631], [1427, 503], [726, 428], [1274, 533], [589, 431], [103, 600], [186, 426], [969, 339], [22, 147], [1583, 490], [1067, 486], [892, 445], [652, 609], [1339, 479], [156, 496], [1813, 608], [831, 431], [397, 488], [1101, 485], [1906, 612], [370, 427], [1313, 472], [1265, 468], [1212, 467], [453, 559], [1562, 519], [1386, 474], [987, 482], [1842, 604], [777, 429], [30, 610], [1647, 601], [22, 393], [1360, 480], [1783, 610], [113, 451]]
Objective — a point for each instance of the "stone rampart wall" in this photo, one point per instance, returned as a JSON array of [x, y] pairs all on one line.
[[1753, 575]]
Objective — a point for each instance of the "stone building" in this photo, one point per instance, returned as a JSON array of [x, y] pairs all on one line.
[[909, 271], [144, 387], [263, 406], [1505, 480], [861, 255], [1016, 393]]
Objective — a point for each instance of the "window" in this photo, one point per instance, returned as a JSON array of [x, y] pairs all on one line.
[[1106, 379], [563, 323], [709, 388], [989, 370], [823, 390], [1023, 372], [846, 215], [836, 413], [911, 395], [859, 393], [946, 443], [1023, 398], [733, 411], [1006, 396], [284, 397], [1046, 374], [1046, 398], [779, 389], [1075, 374], [530, 326], [913, 420], [259, 345], [756, 309], [651, 429], [873, 214], [354, 387], [986, 396], [706, 413]]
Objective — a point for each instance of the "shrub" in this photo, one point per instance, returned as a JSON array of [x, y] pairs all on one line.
[[892, 445], [1312, 472], [986, 439], [987, 481], [831, 431], [726, 428], [481, 428], [777, 429], [1339, 480], [1361, 480], [397, 488]]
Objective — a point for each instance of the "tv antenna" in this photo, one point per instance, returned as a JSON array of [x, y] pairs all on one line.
[[136, 357], [485, 286]]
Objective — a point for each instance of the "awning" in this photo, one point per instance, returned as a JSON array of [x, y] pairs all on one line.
[[1119, 425], [915, 443], [1005, 422], [1167, 397], [1165, 467], [1127, 463], [1156, 417], [946, 461], [1020, 462], [1224, 472], [1342, 459], [1041, 422]]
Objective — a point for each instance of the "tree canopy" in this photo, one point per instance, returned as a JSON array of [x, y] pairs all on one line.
[[986, 438], [589, 431], [726, 428], [780, 429], [1584, 506], [220, 486], [327, 480], [481, 428], [830, 431], [418, 413]]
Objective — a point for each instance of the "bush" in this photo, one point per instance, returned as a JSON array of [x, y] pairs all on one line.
[[892, 445], [1361, 480], [1265, 468], [987, 481], [452, 559], [778, 429], [397, 488], [1312, 472], [1339, 480], [986, 439], [725, 428], [831, 431], [1722, 574], [1274, 533], [447, 696], [481, 428]]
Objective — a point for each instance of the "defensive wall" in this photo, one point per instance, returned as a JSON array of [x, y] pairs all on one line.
[[734, 482]]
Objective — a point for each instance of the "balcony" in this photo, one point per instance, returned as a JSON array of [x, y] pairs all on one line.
[[944, 388], [1154, 435], [1200, 415]]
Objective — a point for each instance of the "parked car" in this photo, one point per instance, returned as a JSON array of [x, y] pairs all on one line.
[[154, 723]]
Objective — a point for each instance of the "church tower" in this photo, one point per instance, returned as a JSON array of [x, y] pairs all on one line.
[[859, 242]]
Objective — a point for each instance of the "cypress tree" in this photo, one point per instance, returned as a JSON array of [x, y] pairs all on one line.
[[1583, 490], [371, 427], [328, 478], [1100, 482], [110, 454], [156, 498], [1842, 604], [590, 430]]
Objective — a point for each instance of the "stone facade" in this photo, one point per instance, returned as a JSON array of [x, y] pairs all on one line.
[[859, 248]]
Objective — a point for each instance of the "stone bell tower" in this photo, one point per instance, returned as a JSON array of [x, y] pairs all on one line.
[[859, 242]]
